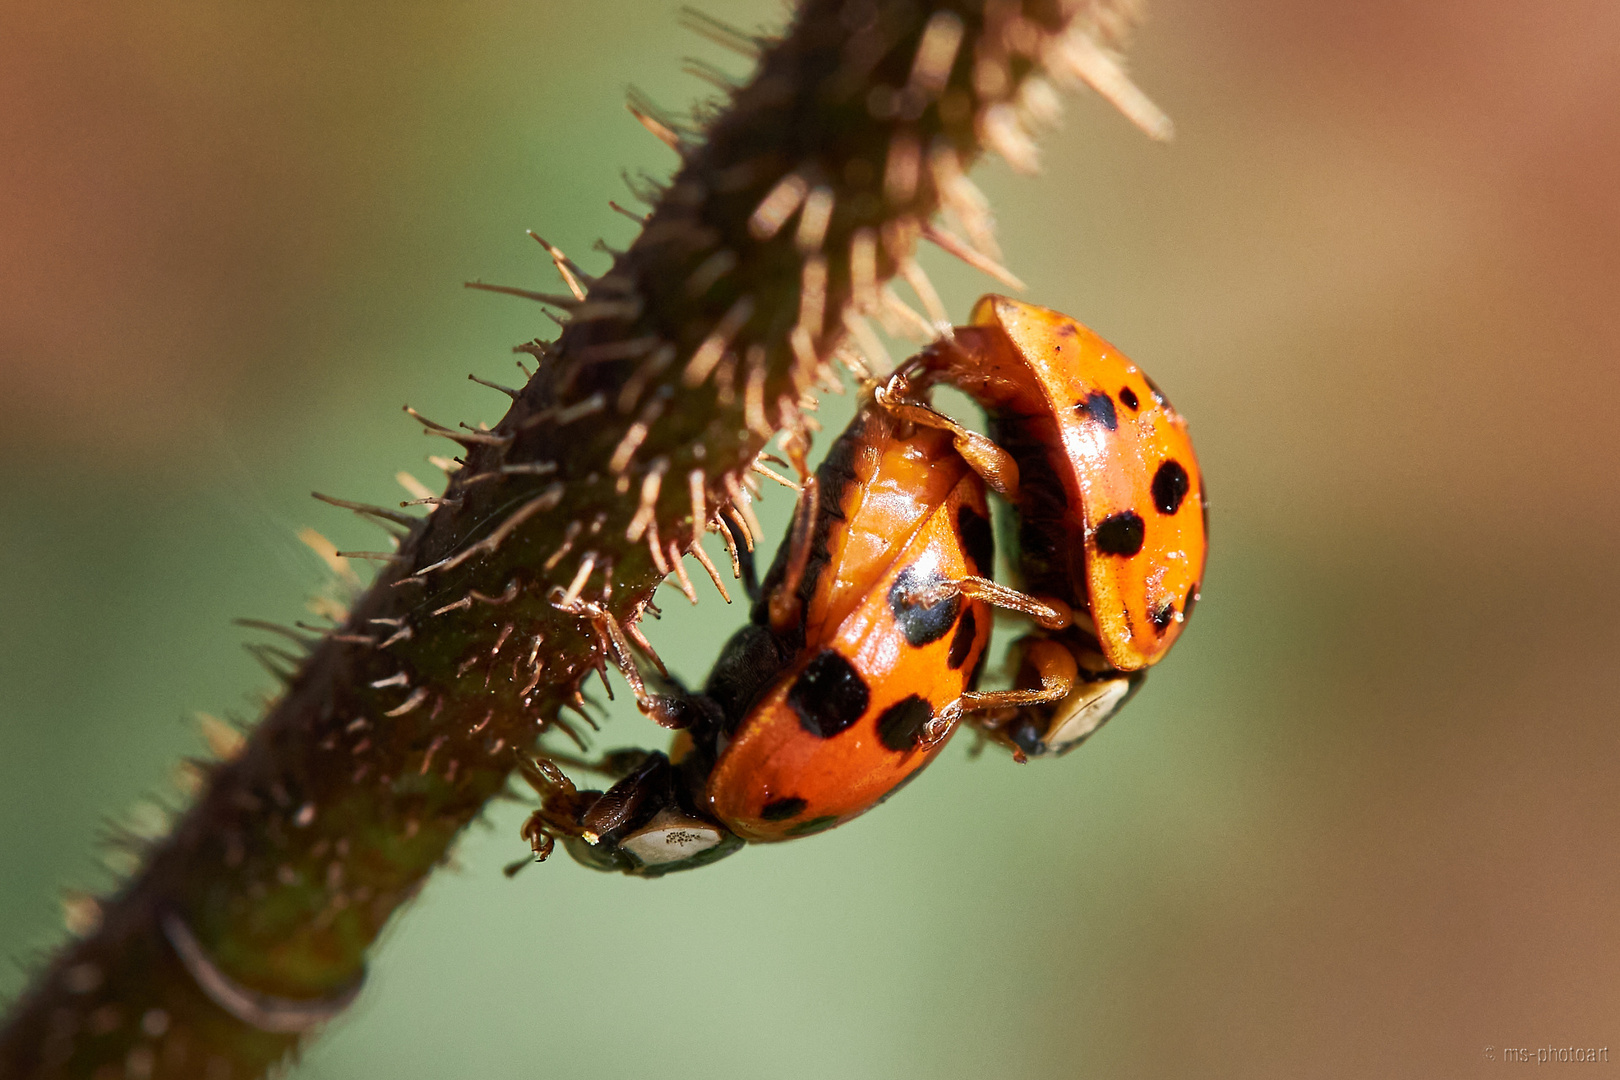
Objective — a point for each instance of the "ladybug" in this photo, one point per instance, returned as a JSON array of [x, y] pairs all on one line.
[[872, 625], [860, 655], [1111, 513]]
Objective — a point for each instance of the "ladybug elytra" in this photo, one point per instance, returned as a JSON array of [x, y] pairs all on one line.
[[1111, 512]]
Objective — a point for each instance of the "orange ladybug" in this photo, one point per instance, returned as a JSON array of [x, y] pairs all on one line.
[[851, 675], [1111, 513], [871, 628]]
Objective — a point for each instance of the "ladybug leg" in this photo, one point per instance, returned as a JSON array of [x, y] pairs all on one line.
[[1034, 728], [632, 630], [796, 445], [1053, 664], [535, 830], [650, 781], [544, 776], [664, 710], [991, 462], [1051, 613], [786, 609], [558, 814]]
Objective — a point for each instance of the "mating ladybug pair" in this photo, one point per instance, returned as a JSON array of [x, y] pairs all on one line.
[[865, 642]]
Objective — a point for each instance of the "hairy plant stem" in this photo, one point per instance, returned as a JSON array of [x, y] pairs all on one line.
[[248, 924]]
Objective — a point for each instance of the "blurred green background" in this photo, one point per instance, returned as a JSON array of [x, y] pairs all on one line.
[[1361, 823]]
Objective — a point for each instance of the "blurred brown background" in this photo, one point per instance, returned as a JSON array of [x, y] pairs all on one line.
[[1362, 823]]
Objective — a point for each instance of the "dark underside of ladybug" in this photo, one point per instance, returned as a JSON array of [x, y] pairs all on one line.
[[1045, 521]]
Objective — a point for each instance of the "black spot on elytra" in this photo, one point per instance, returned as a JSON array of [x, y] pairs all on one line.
[[978, 539], [1192, 598], [1170, 486], [1163, 617], [829, 695], [1101, 408], [901, 723], [967, 628], [1128, 396], [921, 625], [782, 809], [1121, 534]]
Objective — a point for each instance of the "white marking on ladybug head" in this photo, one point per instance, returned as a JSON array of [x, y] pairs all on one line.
[[670, 837], [1084, 711]]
